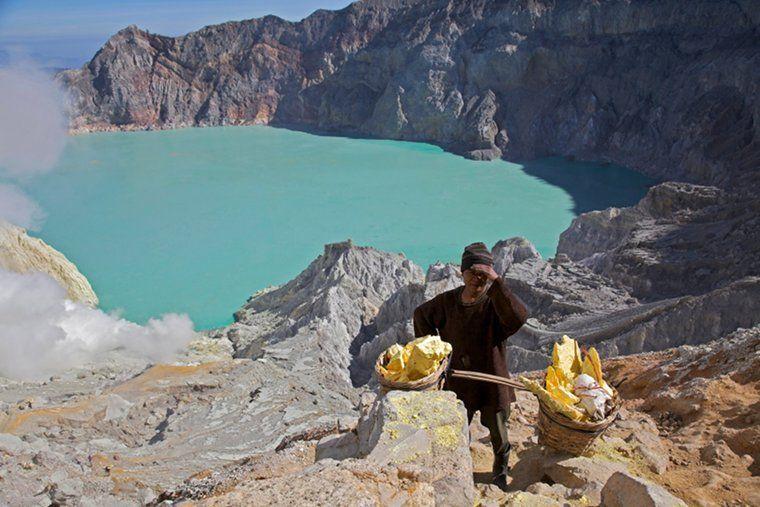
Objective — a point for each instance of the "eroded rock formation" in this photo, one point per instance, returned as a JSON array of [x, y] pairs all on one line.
[[288, 410], [664, 89], [680, 239]]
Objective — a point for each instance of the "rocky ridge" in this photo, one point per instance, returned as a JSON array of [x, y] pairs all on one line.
[[680, 239], [21, 253], [289, 409], [663, 89], [666, 90]]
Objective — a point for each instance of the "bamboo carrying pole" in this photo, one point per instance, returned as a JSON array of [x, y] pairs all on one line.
[[485, 377]]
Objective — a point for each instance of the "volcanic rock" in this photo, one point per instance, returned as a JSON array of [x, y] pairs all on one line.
[[23, 254], [680, 239], [622, 490], [666, 90]]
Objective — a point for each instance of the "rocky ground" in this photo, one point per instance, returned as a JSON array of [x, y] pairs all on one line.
[[280, 403], [278, 408], [688, 430]]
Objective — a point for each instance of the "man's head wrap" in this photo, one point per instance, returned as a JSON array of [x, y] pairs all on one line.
[[476, 253]]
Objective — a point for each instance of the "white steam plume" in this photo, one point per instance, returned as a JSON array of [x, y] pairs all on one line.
[[43, 333], [32, 123], [32, 137], [17, 208]]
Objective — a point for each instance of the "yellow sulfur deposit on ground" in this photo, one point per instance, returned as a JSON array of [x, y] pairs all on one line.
[[415, 360], [566, 387]]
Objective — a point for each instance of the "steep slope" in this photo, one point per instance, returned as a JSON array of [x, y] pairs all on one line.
[[116, 432], [235, 72], [680, 239], [21, 253], [668, 90]]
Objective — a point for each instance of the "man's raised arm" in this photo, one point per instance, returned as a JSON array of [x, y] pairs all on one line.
[[511, 310]]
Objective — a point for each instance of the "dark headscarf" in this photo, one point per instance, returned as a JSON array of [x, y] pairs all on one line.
[[476, 253]]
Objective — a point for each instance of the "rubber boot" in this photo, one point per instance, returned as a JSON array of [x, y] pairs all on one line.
[[501, 469]]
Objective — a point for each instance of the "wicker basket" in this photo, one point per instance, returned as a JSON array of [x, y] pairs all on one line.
[[574, 437], [432, 382]]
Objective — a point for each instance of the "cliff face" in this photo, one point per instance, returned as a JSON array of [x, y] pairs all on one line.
[[22, 254], [664, 88], [680, 239]]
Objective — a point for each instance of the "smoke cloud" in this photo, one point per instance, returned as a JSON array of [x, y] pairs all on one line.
[[32, 137], [43, 333], [17, 208], [32, 122]]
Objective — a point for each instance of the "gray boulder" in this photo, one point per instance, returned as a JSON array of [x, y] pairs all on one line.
[[622, 490], [425, 430]]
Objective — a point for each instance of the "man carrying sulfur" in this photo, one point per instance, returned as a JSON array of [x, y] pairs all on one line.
[[476, 319]]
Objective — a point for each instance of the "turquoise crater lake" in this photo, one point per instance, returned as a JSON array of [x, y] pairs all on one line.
[[195, 220]]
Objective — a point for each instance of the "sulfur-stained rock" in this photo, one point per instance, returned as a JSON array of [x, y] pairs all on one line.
[[426, 429], [525, 499]]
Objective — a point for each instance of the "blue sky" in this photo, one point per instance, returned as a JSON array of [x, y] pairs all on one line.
[[66, 33]]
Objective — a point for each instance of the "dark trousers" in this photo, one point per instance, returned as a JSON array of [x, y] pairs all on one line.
[[496, 422]]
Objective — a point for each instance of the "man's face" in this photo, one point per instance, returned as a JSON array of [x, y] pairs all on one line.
[[475, 281]]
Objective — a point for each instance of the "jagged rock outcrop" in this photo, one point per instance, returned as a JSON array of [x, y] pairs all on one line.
[[555, 289], [667, 90], [394, 324], [22, 254], [241, 422], [680, 239], [316, 319]]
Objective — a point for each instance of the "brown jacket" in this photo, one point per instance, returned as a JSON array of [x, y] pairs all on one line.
[[477, 332]]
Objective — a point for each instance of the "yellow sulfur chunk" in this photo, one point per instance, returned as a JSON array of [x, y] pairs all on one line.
[[551, 379], [396, 358], [560, 390], [418, 359], [596, 363], [562, 379], [563, 395], [577, 360], [588, 367], [425, 356], [566, 357], [553, 404]]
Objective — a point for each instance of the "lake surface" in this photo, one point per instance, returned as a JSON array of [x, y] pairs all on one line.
[[196, 220]]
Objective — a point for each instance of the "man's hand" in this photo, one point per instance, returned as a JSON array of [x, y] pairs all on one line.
[[484, 270]]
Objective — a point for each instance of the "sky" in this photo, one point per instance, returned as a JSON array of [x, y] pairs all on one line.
[[67, 33]]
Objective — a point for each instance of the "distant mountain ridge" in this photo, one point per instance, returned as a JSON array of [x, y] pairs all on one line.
[[663, 87]]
